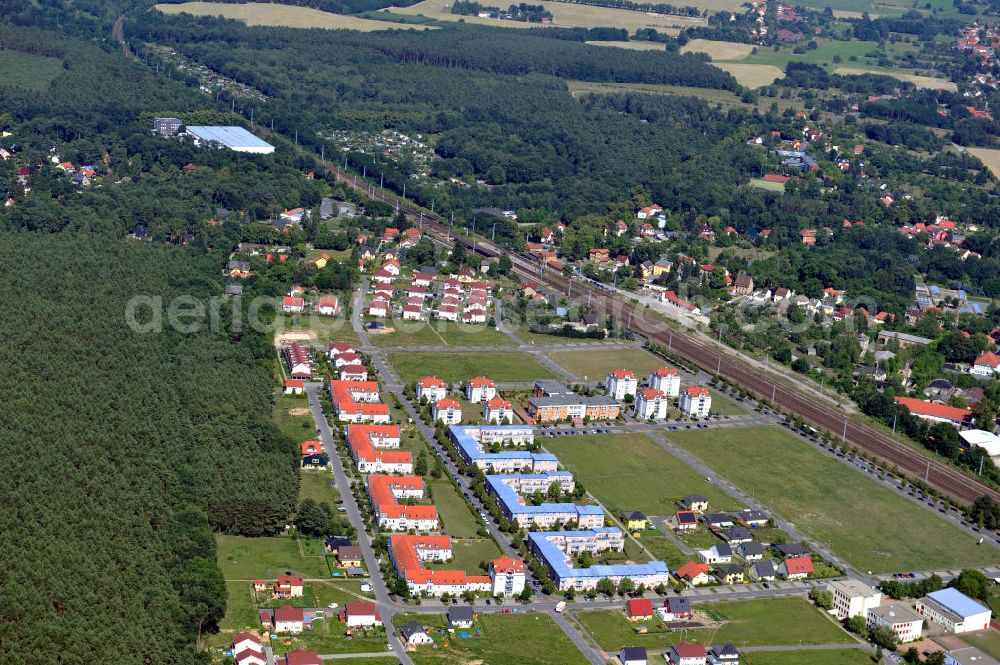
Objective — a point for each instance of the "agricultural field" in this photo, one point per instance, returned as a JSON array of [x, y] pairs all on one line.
[[497, 639], [655, 478], [566, 15], [928, 82], [29, 71], [718, 50], [865, 523], [989, 156], [289, 16], [813, 657], [594, 365], [454, 367], [724, 97], [751, 75], [773, 621]]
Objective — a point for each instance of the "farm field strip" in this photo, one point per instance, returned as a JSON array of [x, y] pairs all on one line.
[[289, 16]]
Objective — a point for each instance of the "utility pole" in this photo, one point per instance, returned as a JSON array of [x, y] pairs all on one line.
[[670, 343], [894, 416], [843, 437], [493, 237], [927, 473], [251, 118], [322, 154], [774, 392], [404, 189], [381, 180]]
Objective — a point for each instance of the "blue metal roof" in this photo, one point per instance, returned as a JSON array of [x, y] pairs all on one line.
[[957, 602], [556, 559], [231, 137]]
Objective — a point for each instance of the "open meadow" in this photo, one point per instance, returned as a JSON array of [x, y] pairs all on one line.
[[564, 15], [867, 524], [724, 97], [501, 366], [653, 478], [772, 621], [632, 45], [593, 365], [289, 16], [813, 657], [928, 82], [717, 50]]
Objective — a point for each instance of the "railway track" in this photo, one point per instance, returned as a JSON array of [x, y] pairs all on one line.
[[948, 480]]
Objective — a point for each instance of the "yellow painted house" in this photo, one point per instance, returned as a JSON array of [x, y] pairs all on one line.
[[636, 521]]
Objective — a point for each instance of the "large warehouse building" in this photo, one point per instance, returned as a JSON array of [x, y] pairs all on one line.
[[234, 138]]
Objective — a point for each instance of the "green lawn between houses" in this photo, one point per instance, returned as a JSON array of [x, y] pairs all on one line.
[[504, 639], [594, 365], [456, 516], [631, 472], [813, 657], [243, 558], [862, 521], [773, 621], [455, 367]]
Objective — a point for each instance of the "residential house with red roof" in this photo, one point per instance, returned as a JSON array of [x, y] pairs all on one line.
[[327, 305], [639, 609], [694, 573], [384, 492], [934, 412], [987, 365], [294, 386], [287, 619], [361, 614], [796, 567], [299, 657], [687, 653]]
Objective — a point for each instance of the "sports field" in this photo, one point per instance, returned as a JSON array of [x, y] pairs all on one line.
[[631, 472], [867, 524], [764, 184], [594, 365], [772, 621], [564, 15], [500, 366], [267, 13]]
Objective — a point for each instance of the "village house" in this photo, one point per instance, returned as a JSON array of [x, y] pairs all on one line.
[[695, 502], [349, 556], [684, 520], [936, 413], [299, 657], [796, 567], [327, 306], [294, 386], [729, 573], [639, 609], [361, 614], [286, 619], [248, 649], [288, 586], [299, 361], [694, 573], [635, 520], [633, 656], [413, 634], [718, 553], [723, 654], [763, 571], [461, 616], [687, 653], [987, 366], [675, 608]]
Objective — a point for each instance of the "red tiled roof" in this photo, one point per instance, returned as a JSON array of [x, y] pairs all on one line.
[[482, 382], [639, 607], [288, 613], [508, 564], [295, 383], [431, 382], [622, 374], [989, 359], [689, 650], [665, 371], [696, 391], [798, 564], [923, 408], [691, 570], [447, 403]]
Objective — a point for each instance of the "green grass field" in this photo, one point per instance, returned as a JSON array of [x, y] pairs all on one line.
[[29, 71], [504, 639], [317, 328], [440, 333], [469, 553], [813, 657], [865, 523], [253, 558], [456, 517], [774, 621], [630, 472], [327, 636], [770, 186], [663, 549], [725, 406], [724, 97], [316, 485], [823, 55], [456, 367], [594, 365]]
